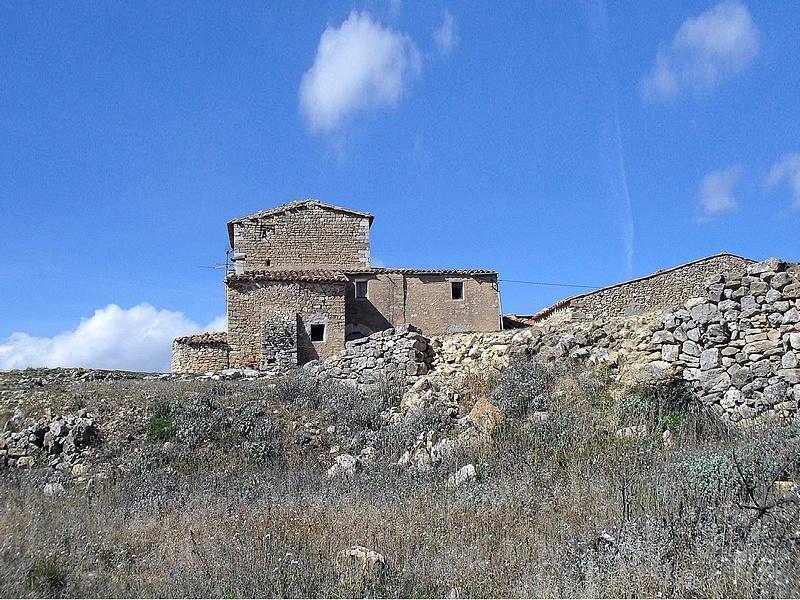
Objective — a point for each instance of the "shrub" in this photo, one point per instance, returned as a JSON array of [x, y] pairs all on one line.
[[160, 428], [525, 386]]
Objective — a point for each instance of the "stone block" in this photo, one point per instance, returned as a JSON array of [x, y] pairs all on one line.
[[710, 359], [691, 348]]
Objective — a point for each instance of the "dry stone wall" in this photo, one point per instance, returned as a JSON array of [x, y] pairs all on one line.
[[200, 353], [738, 345], [399, 355]]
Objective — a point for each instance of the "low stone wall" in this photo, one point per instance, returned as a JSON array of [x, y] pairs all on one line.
[[400, 354], [738, 345], [200, 353]]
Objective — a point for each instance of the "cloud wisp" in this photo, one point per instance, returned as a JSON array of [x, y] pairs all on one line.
[[359, 66], [134, 339], [446, 36], [787, 170], [716, 193], [706, 49]]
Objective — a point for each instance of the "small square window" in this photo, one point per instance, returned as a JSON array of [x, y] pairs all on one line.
[[361, 289], [318, 333], [457, 290]]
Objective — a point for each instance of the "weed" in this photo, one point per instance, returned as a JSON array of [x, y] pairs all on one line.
[[160, 428], [47, 577]]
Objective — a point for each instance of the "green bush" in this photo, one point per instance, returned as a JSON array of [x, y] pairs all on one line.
[[160, 428]]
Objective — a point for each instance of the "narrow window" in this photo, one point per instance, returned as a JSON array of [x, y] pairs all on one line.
[[318, 333], [361, 289], [266, 263], [457, 290]]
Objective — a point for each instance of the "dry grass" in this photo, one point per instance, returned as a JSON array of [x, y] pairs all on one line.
[[563, 507]]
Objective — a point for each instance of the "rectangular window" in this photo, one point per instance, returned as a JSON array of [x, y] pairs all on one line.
[[318, 333], [457, 290], [361, 289]]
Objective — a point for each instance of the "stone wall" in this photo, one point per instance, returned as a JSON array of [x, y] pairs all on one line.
[[269, 321], [200, 353], [303, 235], [660, 290], [738, 345], [399, 355]]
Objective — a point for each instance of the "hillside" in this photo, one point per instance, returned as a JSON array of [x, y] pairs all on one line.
[[654, 454], [550, 479]]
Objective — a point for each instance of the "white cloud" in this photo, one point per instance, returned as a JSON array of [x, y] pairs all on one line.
[[359, 66], [716, 191], [787, 169], [136, 339], [707, 48], [446, 36]]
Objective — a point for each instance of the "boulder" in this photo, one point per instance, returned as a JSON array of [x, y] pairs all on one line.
[[359, 567]]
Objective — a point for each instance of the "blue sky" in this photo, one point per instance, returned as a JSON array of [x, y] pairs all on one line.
[[579, 143]]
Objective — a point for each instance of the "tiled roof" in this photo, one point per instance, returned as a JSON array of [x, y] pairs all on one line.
[[322, 275], [455, 272], [520, 320], [218, 337], [298, 204]]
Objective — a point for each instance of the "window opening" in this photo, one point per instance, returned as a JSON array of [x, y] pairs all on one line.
[[361, 289], [318, 333], [457, 290]]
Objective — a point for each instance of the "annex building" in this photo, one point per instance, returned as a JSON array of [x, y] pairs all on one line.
[[301, 285]]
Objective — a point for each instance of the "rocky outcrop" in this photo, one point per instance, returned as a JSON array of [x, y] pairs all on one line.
[[58, 443]]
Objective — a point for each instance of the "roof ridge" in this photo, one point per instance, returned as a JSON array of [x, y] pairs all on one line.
[[297, 203]]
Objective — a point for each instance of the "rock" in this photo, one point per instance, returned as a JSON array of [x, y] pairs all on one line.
[[789, 360], [710, 359], [794, 340], [345, 466], [670, 352], [53, 489], [485, 416], [770, 264], [776, 393], [464, 475], [705, 313], [731, 399], [632, 432], [359, 567], [25, 462], [667, 439], [691, 348]]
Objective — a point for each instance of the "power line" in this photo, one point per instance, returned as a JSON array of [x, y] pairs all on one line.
[[588, 287]]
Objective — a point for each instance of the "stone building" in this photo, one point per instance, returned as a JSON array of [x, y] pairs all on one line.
[[662, 289], [302, 285]]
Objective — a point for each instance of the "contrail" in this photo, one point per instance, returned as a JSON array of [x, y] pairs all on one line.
[[610, 135]]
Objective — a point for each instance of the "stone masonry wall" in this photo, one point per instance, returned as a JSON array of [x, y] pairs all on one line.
[[660, 290], [738, 345], [307, 236], [268, 321], [200, 353], [398, 355]]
